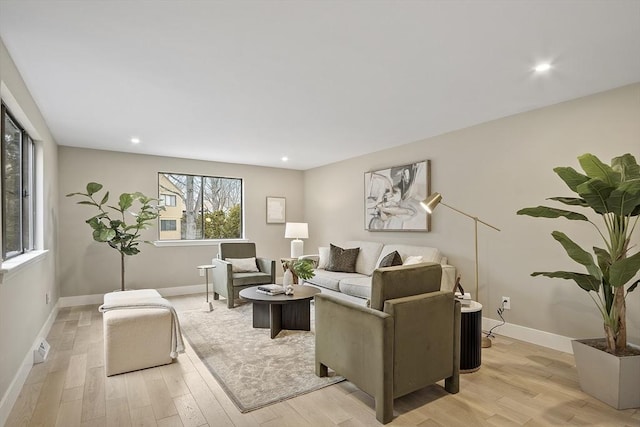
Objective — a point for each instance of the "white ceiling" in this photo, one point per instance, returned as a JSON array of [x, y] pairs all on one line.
[[317, 81]]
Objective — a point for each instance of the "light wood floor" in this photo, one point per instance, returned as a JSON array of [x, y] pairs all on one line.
[[519, 384]]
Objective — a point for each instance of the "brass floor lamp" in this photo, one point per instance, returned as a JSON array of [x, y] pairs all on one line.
[[429, 204]]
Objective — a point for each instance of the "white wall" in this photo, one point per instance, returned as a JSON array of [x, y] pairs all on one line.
[[491, 170], [23, 310], [88, 267]]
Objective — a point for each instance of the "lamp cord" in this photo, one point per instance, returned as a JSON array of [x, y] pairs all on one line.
[[500, 310]]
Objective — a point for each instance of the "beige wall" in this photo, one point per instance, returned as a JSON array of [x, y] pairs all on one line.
[[88, 267], [23, 310], [492, 170]]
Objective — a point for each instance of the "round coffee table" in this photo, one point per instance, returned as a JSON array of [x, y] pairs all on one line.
[[278, 312]]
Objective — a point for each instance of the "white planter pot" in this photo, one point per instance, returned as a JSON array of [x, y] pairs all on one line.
[[612, 379]]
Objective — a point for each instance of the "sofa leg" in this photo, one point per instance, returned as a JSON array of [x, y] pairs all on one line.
[[321, 370], [452, 384], [216, 296], [384, 407]]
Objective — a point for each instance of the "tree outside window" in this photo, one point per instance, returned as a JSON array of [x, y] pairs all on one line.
[[204, 207], [18, 210]]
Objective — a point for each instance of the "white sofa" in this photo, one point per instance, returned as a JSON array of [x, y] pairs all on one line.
[[357, 286]]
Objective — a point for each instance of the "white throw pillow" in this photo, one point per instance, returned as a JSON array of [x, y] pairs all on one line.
[[243, 265], [323, 257], [412, 260]]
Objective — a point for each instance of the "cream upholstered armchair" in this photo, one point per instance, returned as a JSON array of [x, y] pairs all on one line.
[[233, 270], [409, 337]]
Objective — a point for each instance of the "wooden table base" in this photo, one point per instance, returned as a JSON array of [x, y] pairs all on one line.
[[276, 317]]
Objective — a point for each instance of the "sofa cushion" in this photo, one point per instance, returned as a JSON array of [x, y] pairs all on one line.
[[368, 257], [390, 260], [323, 257], [356, 286], [244, 279], [342, 259], [428, 254], [413, 259], [330, 279]]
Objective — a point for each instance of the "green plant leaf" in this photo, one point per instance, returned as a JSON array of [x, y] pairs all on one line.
[[585, 281], [625, 199], [623, 270], [107, 234], [86, 202], [594, 168], [93, 187], [571, 177], [596, 192], [604, 260], [76, 194], [547, 212], [125, 202], [627, 166], [572, 201], [578, 254], [105, 198]]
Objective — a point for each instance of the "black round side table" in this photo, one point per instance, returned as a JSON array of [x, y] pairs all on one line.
[[470, 337]]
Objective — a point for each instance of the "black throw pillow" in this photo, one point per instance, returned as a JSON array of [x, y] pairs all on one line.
[[390, 260], [343, 260]]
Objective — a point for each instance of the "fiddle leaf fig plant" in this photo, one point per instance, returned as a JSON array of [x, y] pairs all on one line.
[[110, 224], [613, 192]]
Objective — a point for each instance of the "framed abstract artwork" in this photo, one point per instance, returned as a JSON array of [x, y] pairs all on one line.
[[276, 210], [392, 198]]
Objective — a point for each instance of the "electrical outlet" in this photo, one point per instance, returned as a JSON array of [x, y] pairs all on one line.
[[506, 303], [201, 273]]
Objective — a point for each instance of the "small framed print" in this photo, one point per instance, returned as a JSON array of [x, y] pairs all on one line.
[[276, 210]]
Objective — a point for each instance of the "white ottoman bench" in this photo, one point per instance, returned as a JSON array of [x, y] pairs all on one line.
[[138, 331]]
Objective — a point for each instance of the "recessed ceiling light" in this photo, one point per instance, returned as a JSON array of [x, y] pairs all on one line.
[[285, 158], [135, 140], [542, 67]]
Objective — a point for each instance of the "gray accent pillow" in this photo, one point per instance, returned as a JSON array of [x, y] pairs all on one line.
[[391, 259], [343, 260]]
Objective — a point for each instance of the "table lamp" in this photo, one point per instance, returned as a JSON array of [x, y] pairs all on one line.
[[296, 231]]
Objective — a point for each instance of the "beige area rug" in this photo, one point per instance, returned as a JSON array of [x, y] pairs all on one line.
[[253, 369]]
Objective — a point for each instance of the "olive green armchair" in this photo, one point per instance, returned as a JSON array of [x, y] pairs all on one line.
[[407, 339], [228, 283]]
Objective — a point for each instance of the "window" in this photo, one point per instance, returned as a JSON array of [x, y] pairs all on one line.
[[18, 169], [168, 199], [202, 207], [168, 225]]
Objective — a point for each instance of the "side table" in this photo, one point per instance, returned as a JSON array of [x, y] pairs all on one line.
[[470, 337], [286, 262], [206, 267]]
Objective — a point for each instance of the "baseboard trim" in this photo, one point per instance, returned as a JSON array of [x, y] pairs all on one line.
[[533, 336], [98, 298], [11, 396]]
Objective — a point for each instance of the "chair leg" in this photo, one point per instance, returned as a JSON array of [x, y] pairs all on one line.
[[384, 406], [230, 302], [321, 370], [452, 384], [216, 296]]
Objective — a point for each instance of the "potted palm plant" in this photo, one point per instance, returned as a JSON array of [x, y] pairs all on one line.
[[612, 192], [110, 223]]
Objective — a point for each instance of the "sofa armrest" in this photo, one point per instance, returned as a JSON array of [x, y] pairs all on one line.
[[356, 342], [448, 281], [314, 258]]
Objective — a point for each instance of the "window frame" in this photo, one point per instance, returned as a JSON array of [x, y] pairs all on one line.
[[27, 214], [167, 221], [201, 240]]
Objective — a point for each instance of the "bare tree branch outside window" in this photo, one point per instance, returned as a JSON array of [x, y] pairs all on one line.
[[207, 207]]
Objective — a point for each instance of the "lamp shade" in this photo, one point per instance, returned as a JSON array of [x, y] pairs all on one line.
[[430, 203], [296, 230]]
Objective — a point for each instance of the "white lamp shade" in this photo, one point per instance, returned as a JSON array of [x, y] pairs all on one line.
[[296, 230]]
